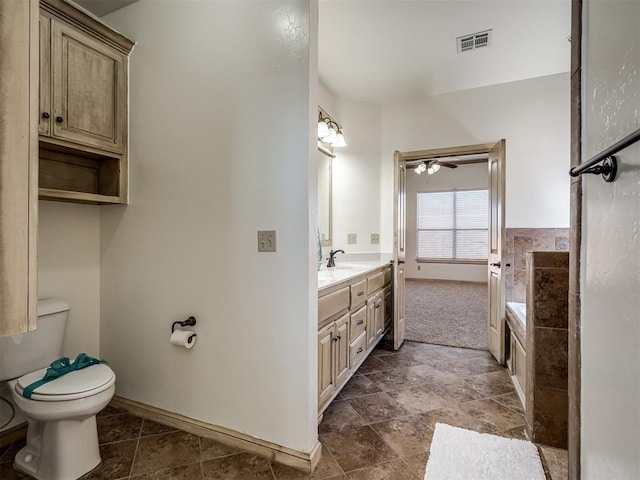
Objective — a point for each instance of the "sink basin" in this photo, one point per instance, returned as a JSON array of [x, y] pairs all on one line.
[[347, 266]]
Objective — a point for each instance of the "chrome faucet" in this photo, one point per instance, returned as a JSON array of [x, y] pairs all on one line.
[[332, 254]]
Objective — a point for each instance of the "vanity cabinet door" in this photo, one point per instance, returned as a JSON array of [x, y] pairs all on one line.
[[341, 344], [387, 307], [374, 318], [326, 373], [89, 90], [44, 117]]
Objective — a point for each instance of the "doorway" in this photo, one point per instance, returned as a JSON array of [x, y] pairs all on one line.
[[487, 264]]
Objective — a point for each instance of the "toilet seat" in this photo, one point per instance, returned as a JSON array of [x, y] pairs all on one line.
[[77, 384]]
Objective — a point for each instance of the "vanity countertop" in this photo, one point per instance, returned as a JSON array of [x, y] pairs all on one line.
[[345, 271]]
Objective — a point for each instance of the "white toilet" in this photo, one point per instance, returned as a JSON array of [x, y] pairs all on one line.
[[62, 439]]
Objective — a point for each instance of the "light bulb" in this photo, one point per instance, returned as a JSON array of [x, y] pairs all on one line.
[[430, 170], [332, 136], [339, 141], [323, 129], [435, 167], [418, 170]]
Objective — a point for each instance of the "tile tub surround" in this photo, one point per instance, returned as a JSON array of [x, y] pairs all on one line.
[[380, 426], [518, 242], [547, 347]]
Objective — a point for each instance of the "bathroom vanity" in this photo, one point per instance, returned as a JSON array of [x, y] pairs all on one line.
[[354, 313]]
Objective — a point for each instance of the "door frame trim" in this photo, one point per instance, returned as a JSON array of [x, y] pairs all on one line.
[[411, 156]]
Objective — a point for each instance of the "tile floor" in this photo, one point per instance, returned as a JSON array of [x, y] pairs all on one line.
[[379, 427]]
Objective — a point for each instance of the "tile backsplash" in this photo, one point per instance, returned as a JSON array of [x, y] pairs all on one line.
[[519, 241]]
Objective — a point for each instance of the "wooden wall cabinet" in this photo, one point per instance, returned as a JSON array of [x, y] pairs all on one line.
[[83, 118], [352, 319]]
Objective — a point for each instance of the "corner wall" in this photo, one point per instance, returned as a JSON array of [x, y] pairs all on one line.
[[220, 142], [69, 269]]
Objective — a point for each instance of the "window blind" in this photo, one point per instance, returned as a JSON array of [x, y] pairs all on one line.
[[453, 225]]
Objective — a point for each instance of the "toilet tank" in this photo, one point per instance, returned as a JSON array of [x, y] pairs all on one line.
[[27, 352]]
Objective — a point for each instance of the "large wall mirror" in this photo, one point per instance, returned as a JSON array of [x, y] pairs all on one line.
[[324, 159]]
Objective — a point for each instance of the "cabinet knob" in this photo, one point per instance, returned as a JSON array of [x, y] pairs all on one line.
[[360, 350], [360, 294], [45, 115], [59, 119], [360, 322]]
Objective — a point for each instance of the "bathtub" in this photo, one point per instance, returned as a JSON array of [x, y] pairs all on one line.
[[519, 310]]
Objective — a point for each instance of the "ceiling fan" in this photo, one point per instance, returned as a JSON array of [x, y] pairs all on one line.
[[433, 165]]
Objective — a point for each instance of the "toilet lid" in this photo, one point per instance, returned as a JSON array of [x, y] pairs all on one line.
[[72, 384]]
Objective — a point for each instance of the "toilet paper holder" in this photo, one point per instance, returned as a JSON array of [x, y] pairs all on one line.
[[189, 322]]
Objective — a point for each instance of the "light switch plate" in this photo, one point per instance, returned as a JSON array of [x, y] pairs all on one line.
[[375, 238], [266, 240], [352, 238]]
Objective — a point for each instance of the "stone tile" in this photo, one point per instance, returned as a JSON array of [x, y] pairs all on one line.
[[7, 472], [356, 448], [496, 416], [550, 420], [327, 468], [394, 470], [116, 428], [237, 467], [164, 451], [519, 285], [510, 400], [556, 460], [562, 244], [488, 386], [518, 433], [407, 377], [382, 349], [406, 436], [377, 407], [150, 427], [551, 297], [417, 463], [456, 417], [501, 375], [418, 399], [338, 416], [469, 366], [454, 392], [457, 353], [359, 386], [551, 358], [110, 410], [373, 364], [210, 449], [550, 259], [185, 472], [404, 359], [116, 461]]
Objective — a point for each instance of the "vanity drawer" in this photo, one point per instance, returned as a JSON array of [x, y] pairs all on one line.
[[333, 303], [358, 294], [357, 350], [375, 282], [358, 322]]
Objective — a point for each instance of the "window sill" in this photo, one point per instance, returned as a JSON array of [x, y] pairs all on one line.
[[451, 261]]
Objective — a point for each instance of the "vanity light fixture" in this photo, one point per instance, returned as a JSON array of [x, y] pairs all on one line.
[[329, 131]]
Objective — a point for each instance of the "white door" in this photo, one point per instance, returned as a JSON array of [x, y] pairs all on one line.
[[495, 257], [399, 222]]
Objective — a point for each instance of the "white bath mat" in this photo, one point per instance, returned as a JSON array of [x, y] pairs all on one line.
[[460, 454]]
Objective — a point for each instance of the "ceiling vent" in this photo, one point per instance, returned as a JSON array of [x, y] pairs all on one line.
[[473, 41]]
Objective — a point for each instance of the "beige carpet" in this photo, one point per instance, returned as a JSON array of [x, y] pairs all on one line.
[[447, 313]]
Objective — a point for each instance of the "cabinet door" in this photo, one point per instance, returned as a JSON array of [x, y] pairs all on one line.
[[371, 320], [326, 373], [387, 306], [342, 349], [89, 90], [44, 120], [18, 165], [379, 314]]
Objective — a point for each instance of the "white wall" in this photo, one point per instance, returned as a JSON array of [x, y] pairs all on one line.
[[356, 172], [468, 176], [610, 257], [221, 137], [69, 268], [532, 115]]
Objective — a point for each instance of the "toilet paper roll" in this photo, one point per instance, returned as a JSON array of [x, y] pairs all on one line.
[[181, 338]]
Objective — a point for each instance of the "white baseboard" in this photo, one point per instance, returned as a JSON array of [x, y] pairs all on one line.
[[277, 453]]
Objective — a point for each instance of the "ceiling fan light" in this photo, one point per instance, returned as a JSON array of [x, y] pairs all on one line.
[[435, 167], [430, 170]]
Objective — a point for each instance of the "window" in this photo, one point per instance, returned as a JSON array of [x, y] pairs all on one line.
[[453, 225]]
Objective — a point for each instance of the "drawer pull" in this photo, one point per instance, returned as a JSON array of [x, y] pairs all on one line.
[[360, 350], [335, 339], [360, 294], [377, 306], [360, 322]]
